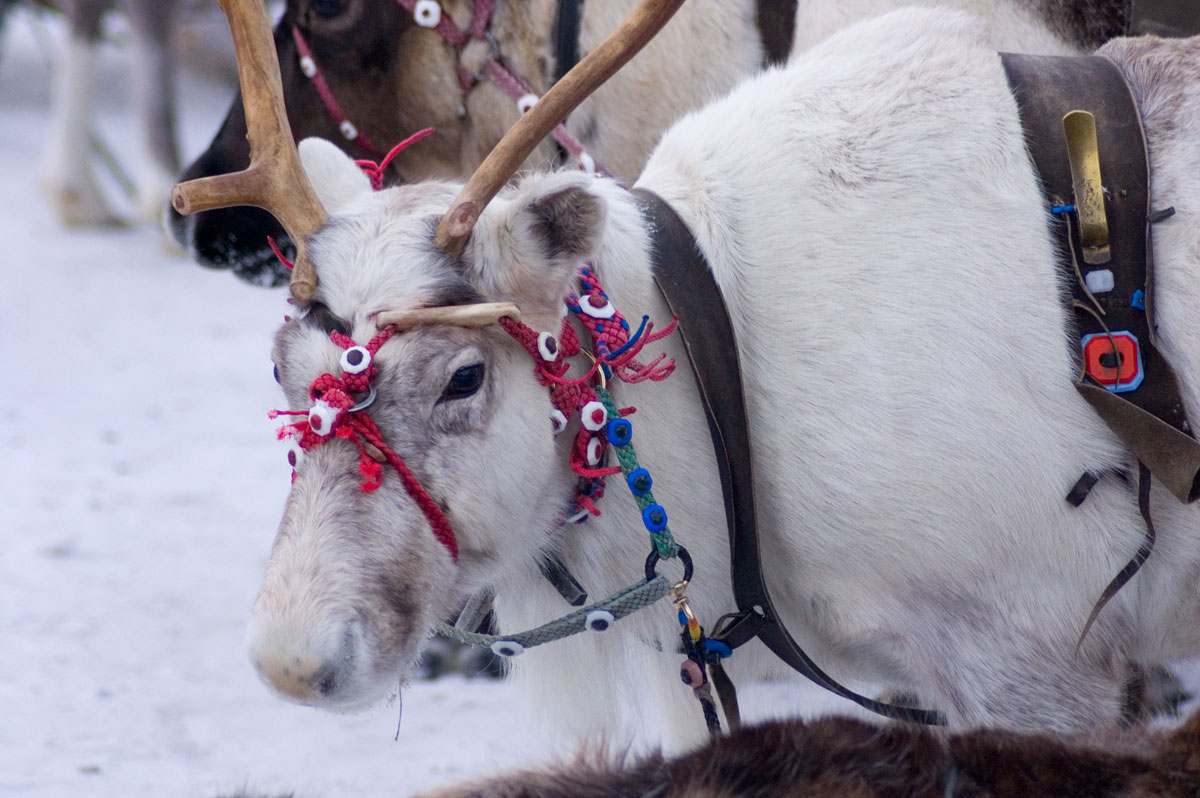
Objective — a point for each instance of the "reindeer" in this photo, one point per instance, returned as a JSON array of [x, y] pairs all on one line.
[[67, 174], [910, 398], [388, 76], [849, 758]]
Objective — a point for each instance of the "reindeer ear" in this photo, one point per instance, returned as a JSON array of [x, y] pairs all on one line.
[[334, 175], [532, 244]]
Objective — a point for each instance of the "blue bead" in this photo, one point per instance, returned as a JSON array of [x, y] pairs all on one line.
[[654, 518], [624, 325], [1138, 300], [599, 327], [722, 650], [620, 432], [639, 481]]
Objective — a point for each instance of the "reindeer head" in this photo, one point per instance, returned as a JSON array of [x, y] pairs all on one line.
[[357, 578]]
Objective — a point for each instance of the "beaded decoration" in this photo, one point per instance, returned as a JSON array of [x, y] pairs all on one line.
[[602, 424]]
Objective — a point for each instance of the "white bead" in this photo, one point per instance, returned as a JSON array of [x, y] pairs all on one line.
[[363, 364], [321, 418], [594, 449], [507, 648], [295, 454], [593, 415], [349, 131], [547, 347], [558, 420], [605, 311], [525, 102], [588, 163], [599, 621], [427, 13], [308, 66], [1099, 281]]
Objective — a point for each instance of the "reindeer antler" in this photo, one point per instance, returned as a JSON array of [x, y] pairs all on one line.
[[274, 180], [562, 98]]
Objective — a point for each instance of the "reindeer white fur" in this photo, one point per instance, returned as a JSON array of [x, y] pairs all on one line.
[[877, 229]]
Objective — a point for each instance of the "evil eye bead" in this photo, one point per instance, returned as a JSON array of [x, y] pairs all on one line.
[[596, 306], [525, 102], [295, 454], [558, 420], [619, 432], [593, 415], [599, 621], [639, 481], [427, 13], [321, 418], [349, 131], [547, 347], [588, 163], [355, 360], [654, 518], [308, 66], [507, 648], [595, 448]]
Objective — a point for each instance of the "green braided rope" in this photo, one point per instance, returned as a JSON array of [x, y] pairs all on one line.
[[663, 540], [626, 602]]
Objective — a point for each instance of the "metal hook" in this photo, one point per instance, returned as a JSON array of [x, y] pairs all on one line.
[[365, 403]]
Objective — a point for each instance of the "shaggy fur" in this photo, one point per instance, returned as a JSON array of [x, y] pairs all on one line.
[[391, 77], [844, 758], [879, 234]]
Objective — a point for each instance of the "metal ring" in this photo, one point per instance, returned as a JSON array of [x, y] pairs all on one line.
[[681, 553], [365, 403]]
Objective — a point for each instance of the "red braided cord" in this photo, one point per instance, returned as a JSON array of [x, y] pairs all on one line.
[[375, 170], [331, 104]]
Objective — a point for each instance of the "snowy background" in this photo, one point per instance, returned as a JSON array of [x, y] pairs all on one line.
[[140, 487]]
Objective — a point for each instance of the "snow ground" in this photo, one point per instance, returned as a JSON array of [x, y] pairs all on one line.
[[139, 493]]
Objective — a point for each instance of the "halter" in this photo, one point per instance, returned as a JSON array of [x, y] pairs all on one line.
[[429, 14]]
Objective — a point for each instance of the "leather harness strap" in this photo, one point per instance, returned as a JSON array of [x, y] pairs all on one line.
[[1150, 418], [686, 282], [776, 28]]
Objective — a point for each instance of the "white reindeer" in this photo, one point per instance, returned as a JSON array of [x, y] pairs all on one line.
[[878, 232]]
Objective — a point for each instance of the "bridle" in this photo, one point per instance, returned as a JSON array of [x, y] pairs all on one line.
[[429, 14]]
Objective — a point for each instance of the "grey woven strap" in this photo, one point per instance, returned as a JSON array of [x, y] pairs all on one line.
[[626, 602]]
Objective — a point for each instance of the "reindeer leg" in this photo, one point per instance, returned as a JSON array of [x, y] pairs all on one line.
[[154, 81], [67, 174]]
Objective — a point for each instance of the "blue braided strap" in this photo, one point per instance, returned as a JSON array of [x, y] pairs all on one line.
[[626, 602]]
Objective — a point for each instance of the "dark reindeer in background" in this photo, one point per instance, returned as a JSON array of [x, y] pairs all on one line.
[[390, 77]]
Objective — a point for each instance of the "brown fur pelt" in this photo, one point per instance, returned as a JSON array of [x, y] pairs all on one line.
[[846, 758]]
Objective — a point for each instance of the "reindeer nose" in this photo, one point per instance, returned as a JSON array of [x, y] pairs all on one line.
[[308, 669]]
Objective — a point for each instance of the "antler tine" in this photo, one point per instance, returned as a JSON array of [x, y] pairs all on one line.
[[275, 179], [562, 98]]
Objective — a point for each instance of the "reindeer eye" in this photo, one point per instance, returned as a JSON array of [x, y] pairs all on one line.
[[465, 382], [327, 8]]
